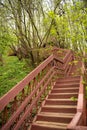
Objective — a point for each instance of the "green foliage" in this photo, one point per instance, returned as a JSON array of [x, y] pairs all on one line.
[[86, 92], [75, 62], [53, 32], [51, 14], [6, 38], [73, 99], [11, 73], [83, 82], [70, 29]]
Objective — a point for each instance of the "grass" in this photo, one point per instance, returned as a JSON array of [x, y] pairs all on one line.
[[11, 73]]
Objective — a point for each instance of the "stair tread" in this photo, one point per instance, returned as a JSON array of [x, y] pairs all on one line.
[[58, 109], [51, 124], [51, 114], [67, 83], [66, 88], [60, 106], [60, 100], [69, 77], [67, 80], [62, 93]]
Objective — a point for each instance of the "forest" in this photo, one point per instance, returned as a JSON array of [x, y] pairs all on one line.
[[30, 28]]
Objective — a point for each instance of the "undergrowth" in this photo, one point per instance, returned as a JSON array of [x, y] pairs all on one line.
[[11, 73]]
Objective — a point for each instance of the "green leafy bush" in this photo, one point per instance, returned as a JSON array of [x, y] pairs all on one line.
[[11, 73]]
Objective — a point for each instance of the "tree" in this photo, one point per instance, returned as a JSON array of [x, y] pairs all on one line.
[[27, 18], [69, 30], [37, 23], [5, 37]]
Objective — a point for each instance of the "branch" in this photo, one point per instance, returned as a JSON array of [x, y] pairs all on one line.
[[48, 31]]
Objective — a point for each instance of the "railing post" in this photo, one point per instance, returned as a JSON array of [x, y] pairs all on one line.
[[54, 51]]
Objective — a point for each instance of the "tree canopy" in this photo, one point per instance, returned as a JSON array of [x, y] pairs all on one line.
[[28, 26]]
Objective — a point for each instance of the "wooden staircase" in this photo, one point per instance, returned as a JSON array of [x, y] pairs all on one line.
[[51, 97], [59, 107]]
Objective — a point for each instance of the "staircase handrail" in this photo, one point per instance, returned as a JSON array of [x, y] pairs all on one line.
[[31, 80], [80, 117], [4, 100]]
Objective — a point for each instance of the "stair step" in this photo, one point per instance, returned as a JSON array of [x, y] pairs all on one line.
[[55, 117], [65, 90], [67, 81], [62, 95], [59, 108], [44, 125], [63, 85], [69, 78], [60, 102]]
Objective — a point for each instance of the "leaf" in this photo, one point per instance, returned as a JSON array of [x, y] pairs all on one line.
[[73, 98], [75, 61], [83, 82], [51, 14]]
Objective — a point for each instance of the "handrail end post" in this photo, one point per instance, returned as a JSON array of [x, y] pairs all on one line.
[[54, 50]]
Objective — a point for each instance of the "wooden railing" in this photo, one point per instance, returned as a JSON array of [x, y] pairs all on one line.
[[21, 103], [80, 117]]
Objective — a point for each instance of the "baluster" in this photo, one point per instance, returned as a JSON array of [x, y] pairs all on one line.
[[43, 91], [35, 84], [46, 69], [31, 86], [28, 89], [50, 85], [46, 90], [51, 82], [31, 89], [37, 107], [19, 99], [14, 105], [49, 66], [23, 94], [26, 123], [40, 88], [39, 101], [55, 64], [38, 78], [4, 116], [41, 75], [29, 118]]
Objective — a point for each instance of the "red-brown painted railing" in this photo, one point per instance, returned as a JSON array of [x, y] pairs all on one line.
[[80, 117], [21, 103]]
